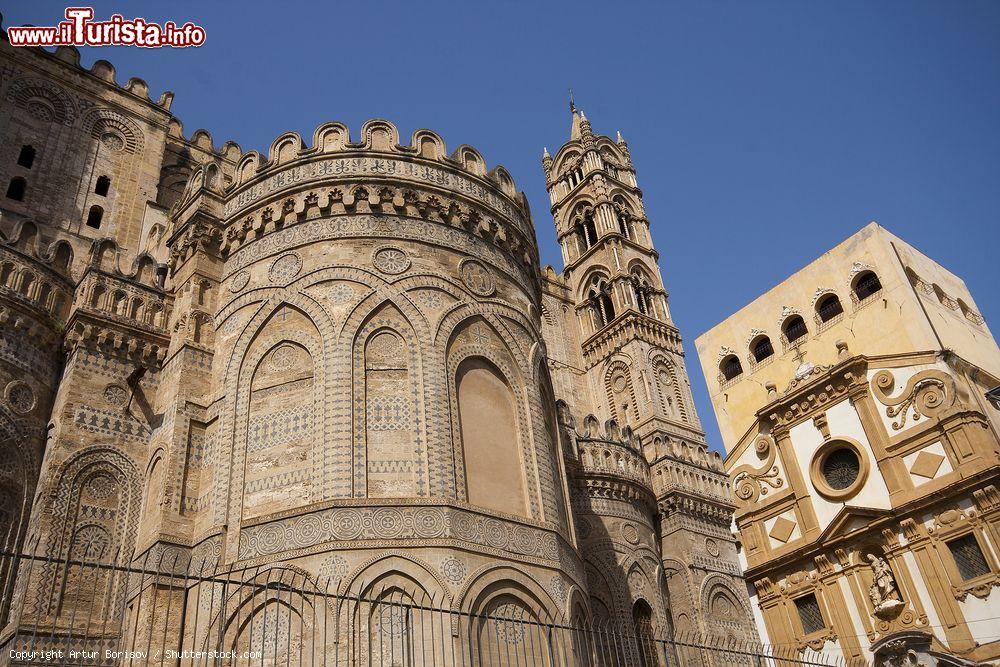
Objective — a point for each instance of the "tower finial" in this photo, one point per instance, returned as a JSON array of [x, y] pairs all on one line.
[[572, 106]]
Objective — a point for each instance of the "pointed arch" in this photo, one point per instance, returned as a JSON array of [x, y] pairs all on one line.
[[390, 459], [620, 390], [490, 421], [94, 516], [275, 406]]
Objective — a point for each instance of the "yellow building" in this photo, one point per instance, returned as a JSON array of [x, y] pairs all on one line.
[[864, 455]]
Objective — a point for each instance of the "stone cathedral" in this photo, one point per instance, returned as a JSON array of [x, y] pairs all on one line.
[[341, 358]]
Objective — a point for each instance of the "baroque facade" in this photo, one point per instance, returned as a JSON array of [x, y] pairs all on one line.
[[342, 360], [864, 456]]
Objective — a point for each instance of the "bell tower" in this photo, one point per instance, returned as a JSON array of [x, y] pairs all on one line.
[[631, 348], [643, 479]]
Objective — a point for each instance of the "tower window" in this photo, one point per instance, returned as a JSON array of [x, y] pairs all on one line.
[[731, 367], [866, 285], [600, 297], [762, 349], [794, 328], [102, 187], [587, 230], [16, 188], [829, 307], [810, 614], [968, 557], [94, 217], [26, 157]]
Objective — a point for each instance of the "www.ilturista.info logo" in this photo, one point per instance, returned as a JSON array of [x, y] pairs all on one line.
[[79, 29]]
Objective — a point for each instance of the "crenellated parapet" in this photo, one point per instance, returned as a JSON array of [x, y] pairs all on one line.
[[606, 459], [278, 199], [123, 313], [34, 274]]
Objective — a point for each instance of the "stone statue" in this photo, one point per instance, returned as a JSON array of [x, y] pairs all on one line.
[[883, 591]]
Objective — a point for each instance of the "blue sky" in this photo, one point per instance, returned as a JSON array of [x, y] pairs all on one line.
[[763, 132]]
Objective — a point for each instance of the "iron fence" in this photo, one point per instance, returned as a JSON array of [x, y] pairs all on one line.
[[170, 610]]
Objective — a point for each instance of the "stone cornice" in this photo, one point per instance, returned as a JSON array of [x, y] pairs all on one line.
[[628, 327]]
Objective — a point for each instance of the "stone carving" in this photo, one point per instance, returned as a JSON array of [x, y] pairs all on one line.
[[113, 142], [239, 280], [925, 392], [750, 483], [453, 570], [712, 547], [477, 277], [509, 623], [348, 524], [285, 268], [340, 293], [390, 260], [883, 592], [334, 568], [20, 397], [115, 395], [630, 533]]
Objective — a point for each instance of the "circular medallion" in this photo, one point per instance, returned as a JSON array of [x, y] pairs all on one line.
[[101, 487], [40, 110], [619, 383], [283, 358], [453, 570], [239, 281], [387, 522], [712, 547], [334, 567], [115, 395], [340, 293], [390, 260], [630, 533], [20, 397], [112, 141], [285, 268], [347, 525], [496, 536], [477, 277], [427, 523]]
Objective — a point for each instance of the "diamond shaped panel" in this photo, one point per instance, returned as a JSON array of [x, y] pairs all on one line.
[[782, 529], [926, 464]]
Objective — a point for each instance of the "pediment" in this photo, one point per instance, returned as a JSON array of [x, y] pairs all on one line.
[[851, 520]]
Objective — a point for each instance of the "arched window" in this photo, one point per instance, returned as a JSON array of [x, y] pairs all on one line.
[[642, 291], [95, 216], [103, 186], [642, 617], [26, 157], [866, 285], [794, 328], [640, 297], [829, 307], [600, 297], [16, 188], [487, 416], [761, 349], [731, 367]]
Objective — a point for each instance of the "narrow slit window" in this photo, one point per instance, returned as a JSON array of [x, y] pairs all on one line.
[[16, 188], [94, 217], [103, 186], [26, 157]]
